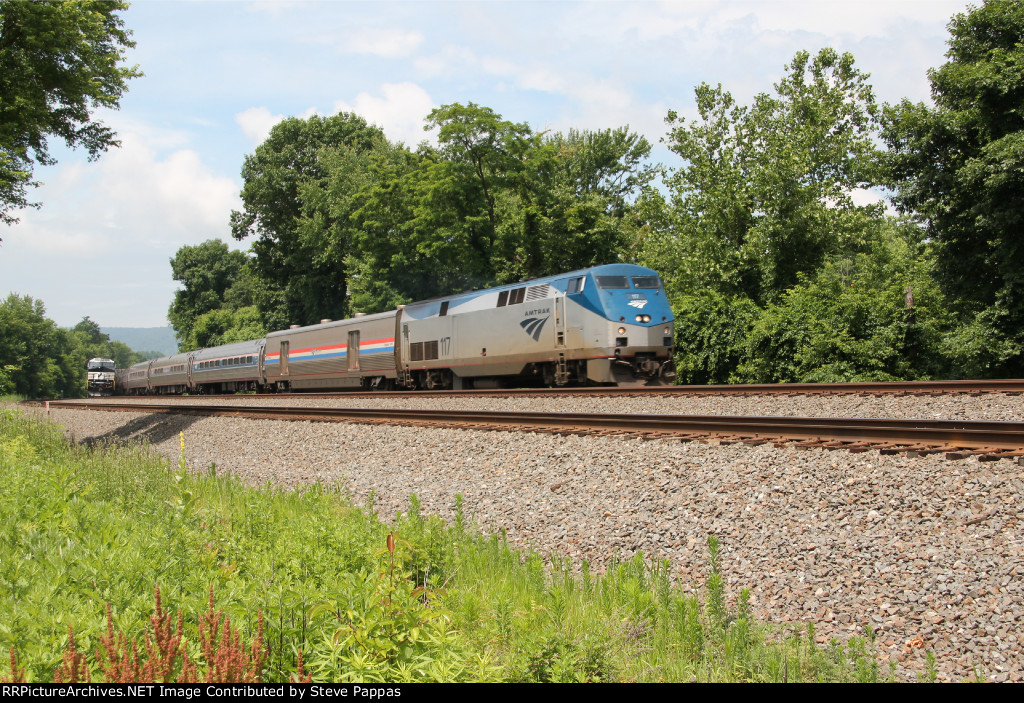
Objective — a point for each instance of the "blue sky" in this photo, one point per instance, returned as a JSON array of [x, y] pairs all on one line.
[[220, 74]]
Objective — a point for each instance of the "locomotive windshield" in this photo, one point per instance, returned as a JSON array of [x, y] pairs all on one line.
[[614, 282], [100, 365], [646, 282]]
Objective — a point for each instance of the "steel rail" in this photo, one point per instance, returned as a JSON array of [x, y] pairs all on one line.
[[1010, 386], [914, 433]]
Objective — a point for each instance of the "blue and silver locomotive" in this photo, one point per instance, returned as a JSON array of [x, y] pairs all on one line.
[[603, 325]]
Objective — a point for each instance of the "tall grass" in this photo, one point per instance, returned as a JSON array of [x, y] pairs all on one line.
[[360, 599]]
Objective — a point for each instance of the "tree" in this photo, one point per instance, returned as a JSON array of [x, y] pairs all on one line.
[[42, 360], [212, 278], [850, 320], [765, 191], [959, 168], [90, 333], [776, 273], [224, 326], [495, 203], [571, 208], [92, 342], [58, 62], [300, 246], [482, 153], [348, 221]]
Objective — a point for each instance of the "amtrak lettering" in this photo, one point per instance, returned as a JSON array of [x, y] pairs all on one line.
[[538, 311]]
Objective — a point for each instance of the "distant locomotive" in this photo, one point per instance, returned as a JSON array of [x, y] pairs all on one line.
[[604, 325], [100, 377]]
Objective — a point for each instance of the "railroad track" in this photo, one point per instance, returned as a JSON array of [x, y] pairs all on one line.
[[957, 439], [896, 388]]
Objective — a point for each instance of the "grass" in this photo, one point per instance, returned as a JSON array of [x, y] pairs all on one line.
[[360, 599]]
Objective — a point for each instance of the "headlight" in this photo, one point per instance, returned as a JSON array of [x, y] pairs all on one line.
[[622, 330], [668, 331], [639, 318], [647, 318]]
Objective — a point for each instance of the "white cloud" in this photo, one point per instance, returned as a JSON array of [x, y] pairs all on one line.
[[450, 60], [389, 43], [109, 227], [399, 111], [256, 123], [386, 42], [866, 18]]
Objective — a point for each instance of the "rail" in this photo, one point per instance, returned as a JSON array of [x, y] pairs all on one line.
[[957, 438]]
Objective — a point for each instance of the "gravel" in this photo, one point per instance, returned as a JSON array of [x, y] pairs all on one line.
[[952, 406], [926, 552]]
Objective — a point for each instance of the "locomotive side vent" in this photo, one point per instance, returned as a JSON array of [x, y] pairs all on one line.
[[538, 292]]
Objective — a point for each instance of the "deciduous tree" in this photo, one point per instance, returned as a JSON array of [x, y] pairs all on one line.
[[59, 62], [212, 278], [959, 167], [299, 247], [765, 191]]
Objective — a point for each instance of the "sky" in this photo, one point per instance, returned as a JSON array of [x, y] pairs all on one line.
[[219, 75]]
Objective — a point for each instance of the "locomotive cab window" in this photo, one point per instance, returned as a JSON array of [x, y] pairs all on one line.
[[575, 285], [612, 282], [651, 282]]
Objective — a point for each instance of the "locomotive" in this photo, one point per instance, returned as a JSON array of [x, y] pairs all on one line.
[[608, 324], [99, 377]]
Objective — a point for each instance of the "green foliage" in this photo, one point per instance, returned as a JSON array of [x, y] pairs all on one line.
[[95, 343], [851, 322], [58, 62], [572, 204], [40, 360], [765, 191], [958, 167], [216, 286], [348, 221], [711, 330], [224, 326], [416, 601], [7, 372], [775, 273], [301, 236]]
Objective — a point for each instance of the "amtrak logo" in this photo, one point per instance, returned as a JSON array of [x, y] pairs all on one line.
[[636, 300], [533, 326]]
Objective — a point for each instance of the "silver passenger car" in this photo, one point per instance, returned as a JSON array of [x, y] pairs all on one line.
[[353, 353], [227, 369]]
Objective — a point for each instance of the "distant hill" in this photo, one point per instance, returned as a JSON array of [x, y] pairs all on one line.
[[145, 339]]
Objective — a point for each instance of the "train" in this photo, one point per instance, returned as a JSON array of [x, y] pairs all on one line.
[[608, 325], [100, 377]]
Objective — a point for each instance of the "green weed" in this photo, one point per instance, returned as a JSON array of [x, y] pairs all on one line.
[[350, 597]]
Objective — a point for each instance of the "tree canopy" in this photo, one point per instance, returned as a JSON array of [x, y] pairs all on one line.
[[347, 221], [40, 360], [59, 61], [301, 240], [959, 168], [776, 272], [765, 191], [216, 283]]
